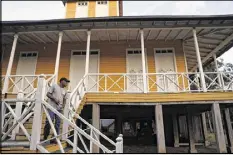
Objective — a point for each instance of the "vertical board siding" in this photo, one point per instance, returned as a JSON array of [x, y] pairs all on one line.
[[112, 58]]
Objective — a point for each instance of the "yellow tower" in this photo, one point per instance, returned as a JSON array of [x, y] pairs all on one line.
[[84, 9]]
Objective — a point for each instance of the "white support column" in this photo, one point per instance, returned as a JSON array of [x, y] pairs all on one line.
[[87, 57], [96, 123], [143, 62], [9, 67], [218, 128], [229, 129], [88, 52], [18, 110], [58, 56], [203, 84], [37, 119], [204, 129], [175, 130], [161, 147], [216, 66], [66, 114]]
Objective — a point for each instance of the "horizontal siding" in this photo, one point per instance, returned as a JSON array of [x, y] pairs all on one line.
[[112, 8], [70, 9], [112, 57], [91, 8]]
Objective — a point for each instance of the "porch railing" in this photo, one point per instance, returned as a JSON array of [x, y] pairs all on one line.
[[24, 83], [156, 83]]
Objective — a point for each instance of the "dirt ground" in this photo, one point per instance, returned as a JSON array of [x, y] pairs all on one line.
[[153, 149]]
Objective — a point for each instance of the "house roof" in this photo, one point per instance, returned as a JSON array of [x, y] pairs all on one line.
[[215, 33]]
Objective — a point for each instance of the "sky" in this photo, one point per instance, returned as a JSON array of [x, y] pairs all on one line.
[[39, 10]]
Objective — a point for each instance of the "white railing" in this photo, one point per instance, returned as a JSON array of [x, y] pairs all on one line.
[[12, 121], [89, 138], [156, 82], [24, 83]]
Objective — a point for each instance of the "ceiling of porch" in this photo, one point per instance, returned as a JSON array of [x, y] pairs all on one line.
[[208, 38]]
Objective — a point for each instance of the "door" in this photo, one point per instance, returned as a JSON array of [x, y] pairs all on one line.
[[164, 63], [77, 68], [82, 9], [134, 65], [101, 8], [26, 66]]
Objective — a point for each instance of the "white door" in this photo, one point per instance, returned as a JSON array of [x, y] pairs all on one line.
[[164, 63], [101, 9], [134, 65], [26, 66], [77, 68], [82, 9]]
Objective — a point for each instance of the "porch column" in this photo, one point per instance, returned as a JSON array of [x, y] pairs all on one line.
[[161, 147], [87, 57], [88, 52], [58, 56], [218, 74], [218, 128], [95, 123], [191, 130], [229, 129], [204, 128], [9, 67], [143, 62], [203, 84], [175, 130]]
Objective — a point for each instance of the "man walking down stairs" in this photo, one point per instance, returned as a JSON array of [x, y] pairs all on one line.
[[57, 96]]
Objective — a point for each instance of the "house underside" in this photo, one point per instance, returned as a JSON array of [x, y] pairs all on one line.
[[125, 72]]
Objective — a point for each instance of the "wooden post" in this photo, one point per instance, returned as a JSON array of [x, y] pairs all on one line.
[[160, 129], [58, 56], [65, 125], [9, 67], [37, 119], [96, 123], [143, 62], [204, 129], [87, 57], [75, 141], [175, 130], [203, 84], [192, 148], [229, 129], [18, 111], [119, 144], [218, 128], [217, 70]]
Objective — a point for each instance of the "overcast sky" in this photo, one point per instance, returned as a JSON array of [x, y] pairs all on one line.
[[39, 10]]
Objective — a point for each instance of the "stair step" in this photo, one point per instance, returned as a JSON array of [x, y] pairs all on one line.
[[55, 147]]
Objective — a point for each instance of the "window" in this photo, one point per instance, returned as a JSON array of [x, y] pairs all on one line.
[[102, 2], [134, 51], [82, 3], [28, 54], [84, 53], [164, 51]]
